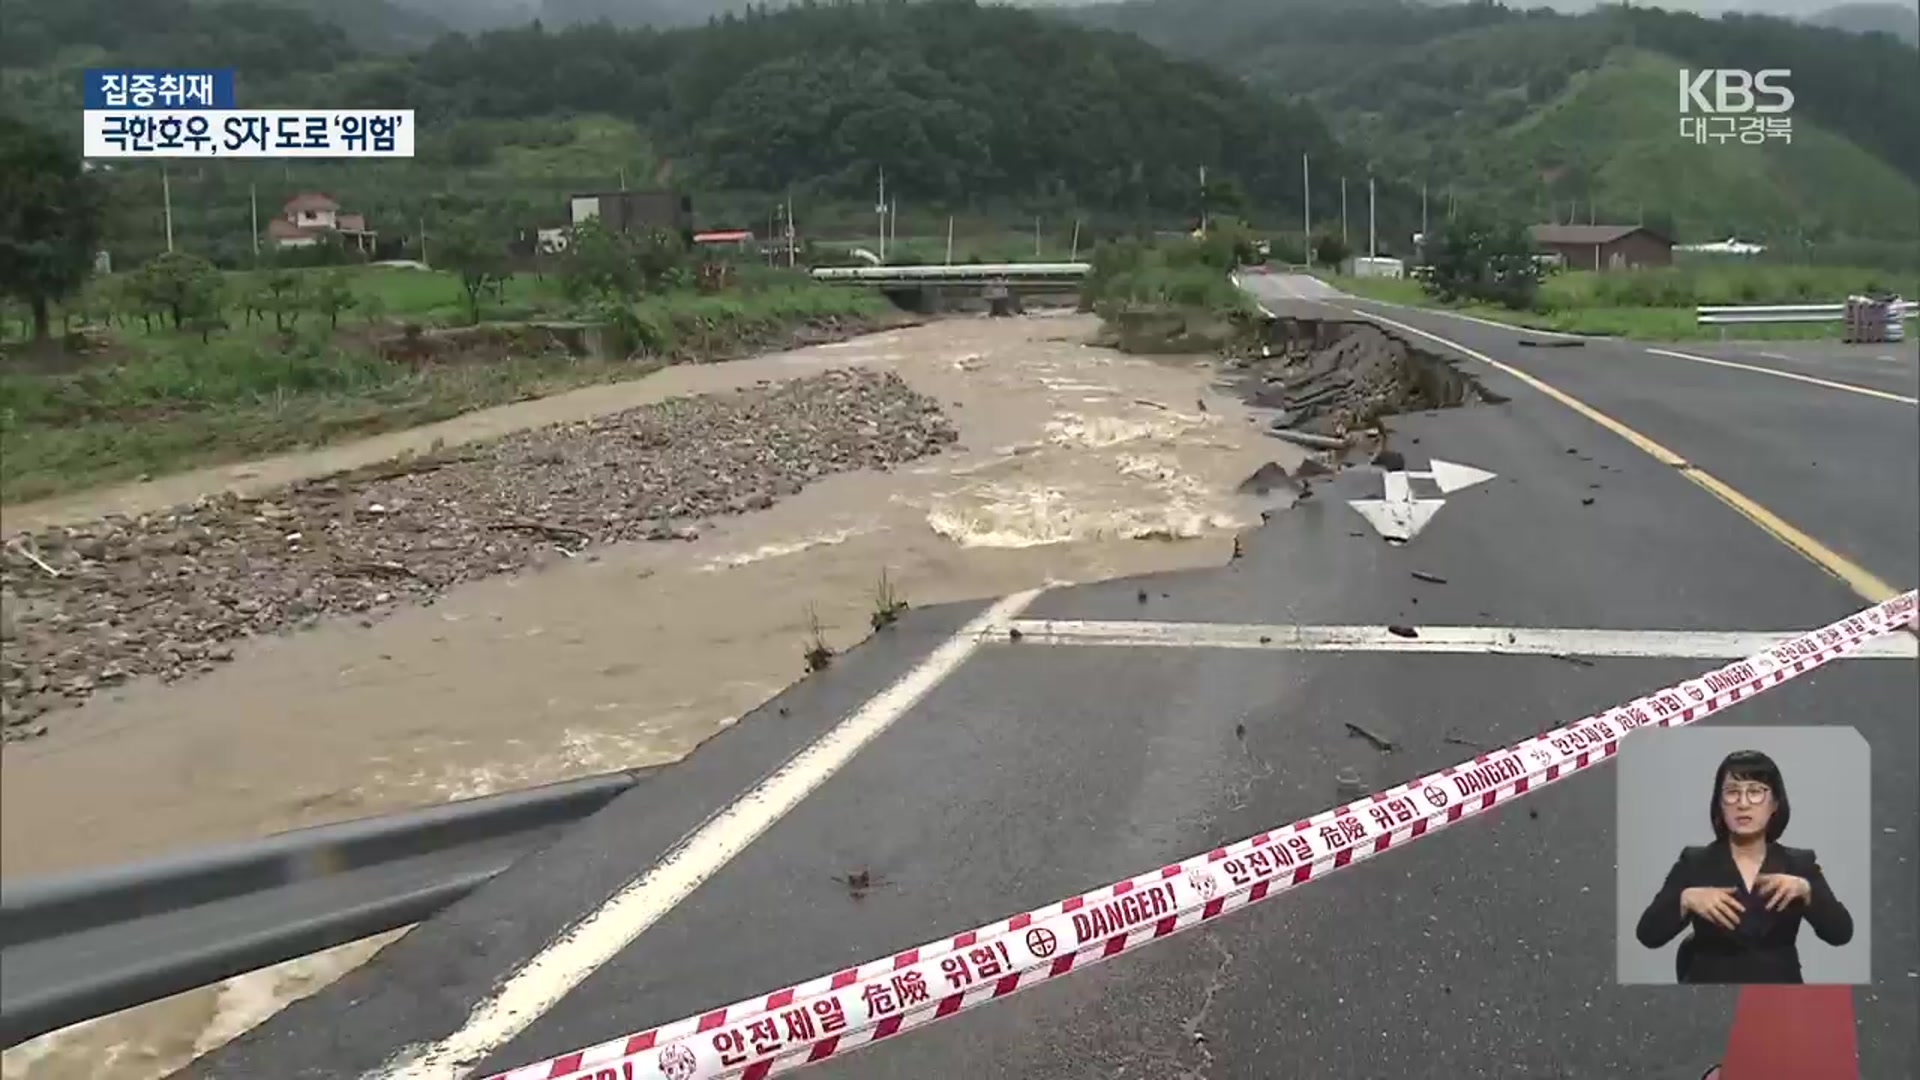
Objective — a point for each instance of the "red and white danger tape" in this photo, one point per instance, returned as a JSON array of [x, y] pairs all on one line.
[[834, 1014]]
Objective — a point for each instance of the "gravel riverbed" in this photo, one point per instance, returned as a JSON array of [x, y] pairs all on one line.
[[168, 595]]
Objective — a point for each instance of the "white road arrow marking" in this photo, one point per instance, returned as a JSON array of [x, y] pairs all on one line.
[[1451, 478], [1398, 516]]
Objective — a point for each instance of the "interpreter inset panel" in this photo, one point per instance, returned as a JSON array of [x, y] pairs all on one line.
[[1744, 856]]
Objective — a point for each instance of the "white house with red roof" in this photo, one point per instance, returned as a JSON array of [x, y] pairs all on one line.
[[311, 217]]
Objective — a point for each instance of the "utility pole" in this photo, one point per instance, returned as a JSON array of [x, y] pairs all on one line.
[[1343, 211], [1306, 209], [1075, 256], [1036, 239], [793, 234], [1373, 239], [1423, 210], [422, 223], [881, 209], [166, 203], [253, 201], [949, 261], [623, 178], [1202, 200]]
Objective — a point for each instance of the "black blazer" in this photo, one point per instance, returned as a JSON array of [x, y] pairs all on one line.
[[1761, 949]]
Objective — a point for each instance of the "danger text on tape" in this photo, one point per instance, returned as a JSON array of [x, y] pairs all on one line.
[[812, 1021]]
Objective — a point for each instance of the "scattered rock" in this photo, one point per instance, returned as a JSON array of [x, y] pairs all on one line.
[[169, 594], [1265, 479], [860, 882], [1379, 742], [1348, 782], [1310, 440]]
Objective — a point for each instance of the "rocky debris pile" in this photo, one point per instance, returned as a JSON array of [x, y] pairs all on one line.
[[1328, 378], [1274, 476], [168, 594]]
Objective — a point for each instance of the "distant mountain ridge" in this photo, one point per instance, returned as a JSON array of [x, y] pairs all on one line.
[[414, 23], [1899, 21], [1548, 114]]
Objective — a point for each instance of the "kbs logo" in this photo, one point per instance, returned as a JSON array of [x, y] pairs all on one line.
[[1719, 104], [1733, 90]]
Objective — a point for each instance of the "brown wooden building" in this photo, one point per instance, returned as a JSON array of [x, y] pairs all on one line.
[[628, 211], [1605, 247]]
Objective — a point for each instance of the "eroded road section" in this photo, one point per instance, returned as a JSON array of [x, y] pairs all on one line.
[[1035, 769]]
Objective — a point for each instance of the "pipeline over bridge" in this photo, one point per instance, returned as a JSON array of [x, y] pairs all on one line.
[[1036, 273]]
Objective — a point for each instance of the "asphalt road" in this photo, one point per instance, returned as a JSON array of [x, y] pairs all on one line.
[[1038, 770]]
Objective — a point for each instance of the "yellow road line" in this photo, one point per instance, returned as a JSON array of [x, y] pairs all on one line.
[[1857, 577], [1795, 376]]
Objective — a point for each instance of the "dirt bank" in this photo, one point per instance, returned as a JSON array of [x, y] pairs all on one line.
[[166, 594], [1332, 377]]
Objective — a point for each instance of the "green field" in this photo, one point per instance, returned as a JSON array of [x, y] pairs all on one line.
[[1658, 304], [150, 400]]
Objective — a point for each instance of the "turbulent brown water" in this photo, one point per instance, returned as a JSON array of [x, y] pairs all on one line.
[[1074, 463]]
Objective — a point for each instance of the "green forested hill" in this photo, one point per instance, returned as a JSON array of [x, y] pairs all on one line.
[[963, 105], [1537, 110]]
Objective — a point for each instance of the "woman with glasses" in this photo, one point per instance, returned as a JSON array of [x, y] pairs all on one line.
[[1746, 894]]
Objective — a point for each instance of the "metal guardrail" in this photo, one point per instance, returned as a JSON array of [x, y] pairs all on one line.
[[91, 943], [1780, 313]]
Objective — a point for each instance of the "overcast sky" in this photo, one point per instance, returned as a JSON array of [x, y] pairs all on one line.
[[1769, 7], [1765, 7]]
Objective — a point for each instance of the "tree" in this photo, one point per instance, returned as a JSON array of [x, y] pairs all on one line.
[[282, 294], [471, 251], [50, 212], [598, 263], [1475, 257], [186, 288], [1330, 250], [662, 259], [1223, 195], [334, 296]]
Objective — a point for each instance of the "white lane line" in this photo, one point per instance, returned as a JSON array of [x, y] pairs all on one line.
[[1795, 376], [1496, 640], [563, 964], [1527, 331]]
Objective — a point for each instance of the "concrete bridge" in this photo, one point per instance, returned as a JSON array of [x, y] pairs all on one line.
[[934, 288]]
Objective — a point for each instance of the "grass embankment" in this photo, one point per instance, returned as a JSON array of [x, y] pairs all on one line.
[[159, 400], [1172, 296], [1658, 304]]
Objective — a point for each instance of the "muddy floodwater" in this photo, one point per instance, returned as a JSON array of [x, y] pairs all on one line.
[[1074, 463]]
